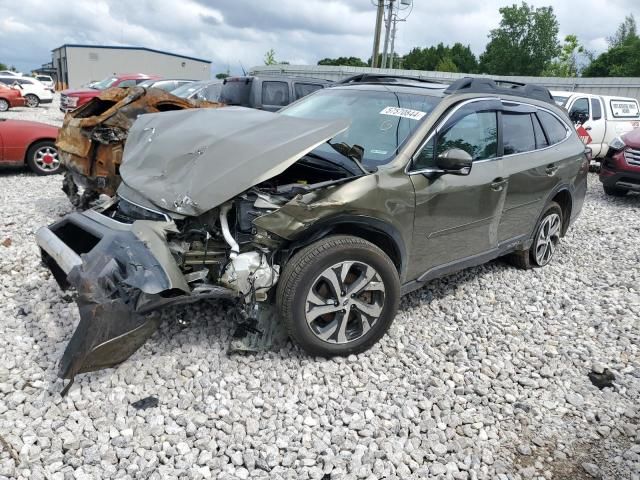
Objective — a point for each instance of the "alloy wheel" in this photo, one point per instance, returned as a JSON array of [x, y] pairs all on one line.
[[46, 158], [31, 101], [344, 302], [4, 105], [548, 238]]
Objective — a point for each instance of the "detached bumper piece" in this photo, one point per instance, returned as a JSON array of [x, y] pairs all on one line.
[[120, 284]]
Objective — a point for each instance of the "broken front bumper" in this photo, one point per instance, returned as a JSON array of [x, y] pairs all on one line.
[[122, 273]]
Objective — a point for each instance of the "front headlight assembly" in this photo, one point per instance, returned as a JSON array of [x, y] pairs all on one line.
[[617, 144]]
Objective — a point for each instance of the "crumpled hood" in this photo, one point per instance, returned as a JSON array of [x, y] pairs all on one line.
[[191, 161]]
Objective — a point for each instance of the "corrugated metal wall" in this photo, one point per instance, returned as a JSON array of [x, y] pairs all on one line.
[[622, 86]]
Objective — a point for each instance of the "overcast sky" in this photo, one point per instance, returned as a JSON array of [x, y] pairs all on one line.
[[228, 32]]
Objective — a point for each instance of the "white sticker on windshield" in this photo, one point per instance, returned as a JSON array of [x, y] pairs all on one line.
[[403, 112]]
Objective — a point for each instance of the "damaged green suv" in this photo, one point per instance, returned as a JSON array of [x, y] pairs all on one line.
[[328, 210]]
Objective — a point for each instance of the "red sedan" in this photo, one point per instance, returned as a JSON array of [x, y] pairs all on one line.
[[30, 143], [10, 97]]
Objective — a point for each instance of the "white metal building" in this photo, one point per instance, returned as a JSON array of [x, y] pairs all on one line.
[[76, 65]]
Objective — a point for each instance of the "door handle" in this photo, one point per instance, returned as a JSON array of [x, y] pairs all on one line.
[[498, 184], [551, 169]]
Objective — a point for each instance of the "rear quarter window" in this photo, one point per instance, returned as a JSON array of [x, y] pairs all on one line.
[[555, 129]]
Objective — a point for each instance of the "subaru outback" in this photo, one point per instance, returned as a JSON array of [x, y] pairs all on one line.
[[325, 212]]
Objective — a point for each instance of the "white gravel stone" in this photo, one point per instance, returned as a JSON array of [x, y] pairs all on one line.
[[466, 374]]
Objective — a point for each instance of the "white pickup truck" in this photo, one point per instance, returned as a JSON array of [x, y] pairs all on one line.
[[602, 118]]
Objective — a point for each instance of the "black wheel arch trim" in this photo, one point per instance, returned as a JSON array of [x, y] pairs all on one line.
[[563, 187], [354, 225]]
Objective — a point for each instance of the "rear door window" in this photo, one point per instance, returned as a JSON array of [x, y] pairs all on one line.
[[304, 89], [556, 130], [128, 83], [596, 109], [517, 133], [275, 93]]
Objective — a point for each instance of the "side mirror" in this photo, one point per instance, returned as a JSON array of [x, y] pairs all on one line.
[[454, 161]]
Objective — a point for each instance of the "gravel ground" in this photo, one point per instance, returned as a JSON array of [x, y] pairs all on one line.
[[50, 113], [483, 375]]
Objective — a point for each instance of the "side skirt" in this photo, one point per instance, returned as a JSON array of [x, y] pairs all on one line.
[[522, 242]]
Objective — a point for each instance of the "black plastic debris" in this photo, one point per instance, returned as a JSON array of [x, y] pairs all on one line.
[[144, 403], [602, 380]]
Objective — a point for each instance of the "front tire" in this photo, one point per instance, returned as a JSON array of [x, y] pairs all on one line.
[[4, 105], [545, 240], [31, 100], [614, 191], [338, 296], [43, 159]]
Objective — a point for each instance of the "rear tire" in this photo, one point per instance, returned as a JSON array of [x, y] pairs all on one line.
[[43, 159], [4, 105], [31, 100], [350, 280], [545, 240], [615, 191]]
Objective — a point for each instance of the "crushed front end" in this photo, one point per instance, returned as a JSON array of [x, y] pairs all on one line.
[[126, 262], [182, 227]]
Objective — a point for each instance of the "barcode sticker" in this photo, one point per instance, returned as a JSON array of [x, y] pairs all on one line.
[[403, 112]]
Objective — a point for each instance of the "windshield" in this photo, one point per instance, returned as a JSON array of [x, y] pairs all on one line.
[[560, 100], [381, 120], [105, 83], [184, 91]]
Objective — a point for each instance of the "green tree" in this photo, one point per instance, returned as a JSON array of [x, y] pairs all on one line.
[[221, 75], [3, 66], [623, 57], [458, 58], [346, 61], [270, 57], [524, 44], [446, 64], [626, 31], [571, 59], [620, 61], [464, 58]]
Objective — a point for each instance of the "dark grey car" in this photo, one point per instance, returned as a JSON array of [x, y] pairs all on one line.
[[328, 210]]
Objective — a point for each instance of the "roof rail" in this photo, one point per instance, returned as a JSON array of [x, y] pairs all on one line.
[[505, 87], [385, 78]]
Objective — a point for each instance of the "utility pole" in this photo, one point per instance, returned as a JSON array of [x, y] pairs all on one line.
[[387, 33], [376, 35], [393, 39]]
